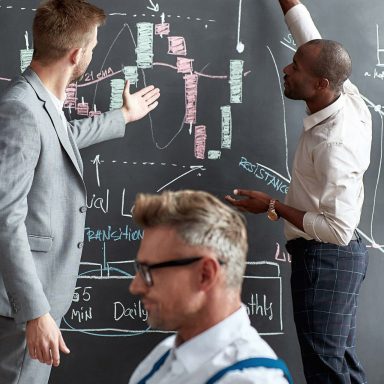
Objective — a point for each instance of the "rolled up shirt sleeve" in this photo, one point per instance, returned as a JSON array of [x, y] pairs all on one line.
[[339, 186], [301, 25]]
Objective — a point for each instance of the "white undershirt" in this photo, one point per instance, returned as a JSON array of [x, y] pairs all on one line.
[[59, 107]]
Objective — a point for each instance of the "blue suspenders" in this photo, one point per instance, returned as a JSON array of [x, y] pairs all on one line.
[[253, 363], [240, 365], [155, 368]]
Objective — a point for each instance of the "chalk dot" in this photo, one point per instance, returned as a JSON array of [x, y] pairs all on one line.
[[240, 47]]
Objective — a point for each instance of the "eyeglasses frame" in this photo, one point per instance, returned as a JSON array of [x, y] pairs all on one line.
[[144, 269]]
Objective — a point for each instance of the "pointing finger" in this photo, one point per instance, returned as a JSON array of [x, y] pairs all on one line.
[[244, 192], [230, 199]]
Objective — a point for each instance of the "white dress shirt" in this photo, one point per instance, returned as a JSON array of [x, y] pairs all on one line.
[[196, 360], [59, 106], [332, 155]]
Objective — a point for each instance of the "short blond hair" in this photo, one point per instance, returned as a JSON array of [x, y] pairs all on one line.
[[61, 25], [200, 219]]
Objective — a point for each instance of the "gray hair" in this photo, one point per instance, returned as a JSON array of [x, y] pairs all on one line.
[[200, 219]]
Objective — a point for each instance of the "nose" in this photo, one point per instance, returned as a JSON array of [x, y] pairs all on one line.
[[137, 286], [286, 69]]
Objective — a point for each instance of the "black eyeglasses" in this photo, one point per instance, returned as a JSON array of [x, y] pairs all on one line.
[[145, 269]]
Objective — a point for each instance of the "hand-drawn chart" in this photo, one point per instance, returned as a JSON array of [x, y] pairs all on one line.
[[123, 315], [222, 122]]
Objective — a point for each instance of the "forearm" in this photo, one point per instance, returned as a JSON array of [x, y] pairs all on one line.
[[107, 126], [293, 215], [125, 111]]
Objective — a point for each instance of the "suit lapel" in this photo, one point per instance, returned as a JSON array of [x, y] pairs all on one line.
[[75, 150], [52, 112], [61, 132]]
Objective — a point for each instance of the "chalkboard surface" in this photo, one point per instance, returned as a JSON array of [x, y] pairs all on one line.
[[222, 123]]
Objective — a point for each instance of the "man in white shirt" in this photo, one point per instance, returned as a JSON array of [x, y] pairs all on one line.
[[189, 273], [323, 205]]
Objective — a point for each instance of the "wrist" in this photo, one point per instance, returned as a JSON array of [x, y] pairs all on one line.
[[286, 5], [125, 113]]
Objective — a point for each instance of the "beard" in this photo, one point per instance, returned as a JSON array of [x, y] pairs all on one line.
[[79, 71], [155, 321]]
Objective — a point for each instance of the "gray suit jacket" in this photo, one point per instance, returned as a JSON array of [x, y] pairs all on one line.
[[42, 198]]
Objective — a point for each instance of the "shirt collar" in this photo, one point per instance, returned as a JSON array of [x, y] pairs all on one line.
[[56, 102], [315, 118], [198, 350]]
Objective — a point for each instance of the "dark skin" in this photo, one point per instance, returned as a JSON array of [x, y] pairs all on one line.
[[258, 202], [286, 5]]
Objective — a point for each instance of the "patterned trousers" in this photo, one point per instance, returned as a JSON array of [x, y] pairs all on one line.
[[325, 284]]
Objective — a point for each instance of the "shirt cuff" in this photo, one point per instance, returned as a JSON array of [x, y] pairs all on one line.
[[315, 225], [301, 25], [309, 221], [295, 13]]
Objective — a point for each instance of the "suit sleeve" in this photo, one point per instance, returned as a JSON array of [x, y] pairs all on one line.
[[93, 130], [19, 154]]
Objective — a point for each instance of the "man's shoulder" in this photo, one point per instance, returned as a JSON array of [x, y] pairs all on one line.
[[255, 362], [251, 344], [152, 358], [18, 89]]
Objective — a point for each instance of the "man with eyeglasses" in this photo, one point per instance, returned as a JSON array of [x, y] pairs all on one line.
[[189, 273]]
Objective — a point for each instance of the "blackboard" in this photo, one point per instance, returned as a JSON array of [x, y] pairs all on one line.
[[222, 123]]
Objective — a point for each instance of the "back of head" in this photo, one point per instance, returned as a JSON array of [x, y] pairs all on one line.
[[200, 219], [332, 62], [61, 25]]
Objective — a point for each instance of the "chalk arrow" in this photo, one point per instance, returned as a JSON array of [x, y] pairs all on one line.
[[96, 162], [153, 7], [194, 168]]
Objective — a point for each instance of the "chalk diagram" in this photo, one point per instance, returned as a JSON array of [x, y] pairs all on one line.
[[89, 315], [143, 38], [146, 35], [124, 315], [129, 311]]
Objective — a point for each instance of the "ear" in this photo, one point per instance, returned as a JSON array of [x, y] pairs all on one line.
[[323, 83], [75, 55], [209, 273]]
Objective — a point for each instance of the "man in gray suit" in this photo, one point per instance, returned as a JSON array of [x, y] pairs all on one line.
[[42, 192]]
